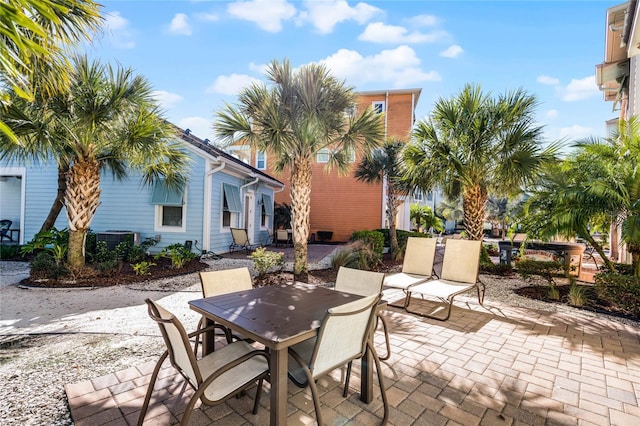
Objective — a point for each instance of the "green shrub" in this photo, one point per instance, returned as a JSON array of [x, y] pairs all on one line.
[[544, 268], [620, 290], [621, 268], [577, 294], [104, 259], [142, 268], [264, 261], [374, 239], [501, 269], [136, 254], [346, 257], [9, 252], [45, 266], [402, 236], [54, 241], [178, 253]]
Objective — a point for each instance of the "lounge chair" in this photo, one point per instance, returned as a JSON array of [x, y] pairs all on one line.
[[417, 266], [241, 240], [5, 224], [282, 237], [363, 283], [224, 281], [215, 377], [459, 274], [345, 335]]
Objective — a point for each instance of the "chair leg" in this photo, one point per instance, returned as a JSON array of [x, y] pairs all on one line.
[[256, 403], [346, 380], [152, 382], [447, 302], [316, 401], [383, 391], [386, 337]]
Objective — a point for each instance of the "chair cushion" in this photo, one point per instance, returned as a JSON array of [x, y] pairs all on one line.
[[235, 378], [404, 280], [441, 288]]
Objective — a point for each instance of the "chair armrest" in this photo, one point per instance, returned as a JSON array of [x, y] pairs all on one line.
[[208, 328], [237, 361]]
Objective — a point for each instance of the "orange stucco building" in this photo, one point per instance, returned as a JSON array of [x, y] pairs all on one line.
[[339, 203]]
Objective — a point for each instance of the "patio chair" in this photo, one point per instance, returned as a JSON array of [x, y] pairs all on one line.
[[417, 266], [215, 377], [363, 283], [345, 335], [241, 240], [215, 283], [459, 274], [5, 224], [282, 237]]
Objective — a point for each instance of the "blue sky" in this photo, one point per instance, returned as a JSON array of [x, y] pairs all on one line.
[[198, 54]]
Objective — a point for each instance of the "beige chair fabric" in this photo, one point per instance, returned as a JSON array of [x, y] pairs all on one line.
[[345, 335], [417, 266], [214, 377], [364, 283], [241, 240], [282, 237], [460, 268]]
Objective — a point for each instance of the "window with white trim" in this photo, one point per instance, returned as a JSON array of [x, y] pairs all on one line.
[[231, 205], [378, 107], [266, 211], [417, 196], [170, 210], [261, 160], [323, 155]]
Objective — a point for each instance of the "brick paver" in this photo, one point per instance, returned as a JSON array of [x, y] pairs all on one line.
[[496, 365]]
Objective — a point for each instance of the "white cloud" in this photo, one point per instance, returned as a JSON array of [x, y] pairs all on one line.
[[545, 79], [230, 84], [572, 133], [210, 17], [267, 14], [552, 113], [325, 15], [118, 31], [378, 32], [166, 99], [424, 20], [200, 127], [399, 67], [578, 90], [452, 51], [180, 24]]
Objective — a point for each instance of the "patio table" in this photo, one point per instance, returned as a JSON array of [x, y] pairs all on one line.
[[279, 317]]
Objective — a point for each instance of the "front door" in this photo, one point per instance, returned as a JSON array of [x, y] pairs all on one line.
[[249, 216]]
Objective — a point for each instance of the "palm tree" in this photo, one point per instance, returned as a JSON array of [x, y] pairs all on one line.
[[385, 164], [424, 214], [473, 145], [299, 114], [33, 38], [107, 119]]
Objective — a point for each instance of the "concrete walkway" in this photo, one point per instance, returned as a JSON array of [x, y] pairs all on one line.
[[492, 365]]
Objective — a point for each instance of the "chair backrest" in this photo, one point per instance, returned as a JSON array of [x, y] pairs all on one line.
[[175, 337], [240, 236], [282, 235], [225, 281], [343, 334], [419, 256], [461, 261], [5, 224], [357, 281]]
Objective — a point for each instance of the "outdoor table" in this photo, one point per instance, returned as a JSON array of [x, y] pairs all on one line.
[[279, 317]]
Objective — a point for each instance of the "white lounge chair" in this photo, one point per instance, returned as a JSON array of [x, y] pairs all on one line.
[[460, 268]]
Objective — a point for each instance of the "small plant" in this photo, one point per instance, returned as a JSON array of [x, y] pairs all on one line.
[[54, 241], [179, 255], [142, 268], [45, 266], [552, 292], [264, 261], [344, 257], [104, 259], [9, 252], [577, 294], [136, 254], [622, 291]]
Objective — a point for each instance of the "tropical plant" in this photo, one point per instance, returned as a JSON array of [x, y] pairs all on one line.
[[178, 253], [425, 218], [451, 210], [293, 118], [142, 268], [386, 164], [473, 145], [107, 119], [264, 260], [54, 241], [282, 216]]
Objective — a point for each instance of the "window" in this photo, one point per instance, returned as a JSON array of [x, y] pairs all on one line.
[[378, 107], [170, 212], [323, 155], [241, 152], [430, 196], [417, 196], [351, 155], [231, 205], [261, 160], [266, 211]]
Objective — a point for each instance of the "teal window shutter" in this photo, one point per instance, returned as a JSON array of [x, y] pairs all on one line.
[[232, 194], [165, 196], [266, 203]]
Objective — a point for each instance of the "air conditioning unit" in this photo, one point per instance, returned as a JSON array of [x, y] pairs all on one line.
[[113, 238]]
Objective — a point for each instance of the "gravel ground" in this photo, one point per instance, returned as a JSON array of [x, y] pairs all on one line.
[[49, 338]]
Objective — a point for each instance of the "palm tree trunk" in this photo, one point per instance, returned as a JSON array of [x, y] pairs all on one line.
[[300, 206], [58, 203], [82, 198], [392, 210], [474, 202]]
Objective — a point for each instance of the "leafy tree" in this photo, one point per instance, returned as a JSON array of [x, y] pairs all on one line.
[[424, 215], [473, 145], [106, 119], [383, 164], [293, 116]]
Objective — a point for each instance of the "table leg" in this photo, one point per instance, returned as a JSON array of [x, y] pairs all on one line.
[[366, 381], [279, 359], [208, 338]]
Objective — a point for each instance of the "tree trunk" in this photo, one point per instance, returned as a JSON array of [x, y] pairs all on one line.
[[392, 211], [300, 207], [58, 203], [474, 200], [614, 253], [82, 198]]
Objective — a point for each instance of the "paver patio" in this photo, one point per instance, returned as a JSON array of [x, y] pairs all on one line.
[[491, 365]]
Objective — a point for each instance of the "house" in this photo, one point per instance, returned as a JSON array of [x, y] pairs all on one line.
[[340, 204], [222, 192], [618, 77]]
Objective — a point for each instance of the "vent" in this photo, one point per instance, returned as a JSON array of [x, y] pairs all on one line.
[[113, 238]]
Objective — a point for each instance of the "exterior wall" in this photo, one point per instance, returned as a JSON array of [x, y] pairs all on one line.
[[634, 86]]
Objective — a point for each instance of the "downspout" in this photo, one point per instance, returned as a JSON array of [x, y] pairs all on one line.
[[206, 213]]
